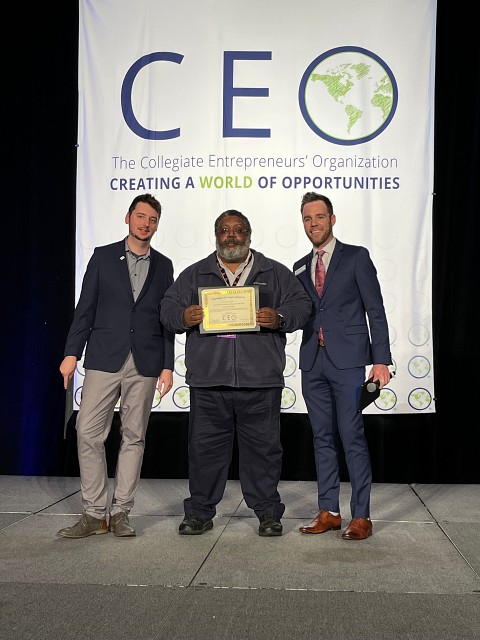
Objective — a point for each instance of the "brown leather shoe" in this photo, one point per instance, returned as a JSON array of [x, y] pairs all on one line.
[[358, 529], [324, 521]]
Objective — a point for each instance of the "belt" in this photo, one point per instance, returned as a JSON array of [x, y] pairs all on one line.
[[321, 342]]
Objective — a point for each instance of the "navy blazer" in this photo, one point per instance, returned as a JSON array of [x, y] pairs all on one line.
[[111, 323], [351, 293]]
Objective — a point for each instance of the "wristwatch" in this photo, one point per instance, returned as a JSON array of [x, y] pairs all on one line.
[[281, 322]]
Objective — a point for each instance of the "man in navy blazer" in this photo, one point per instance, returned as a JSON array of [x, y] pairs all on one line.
[[128, 354], [346, 332]]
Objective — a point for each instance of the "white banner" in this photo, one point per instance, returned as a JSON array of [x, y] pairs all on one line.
[[218, 104]]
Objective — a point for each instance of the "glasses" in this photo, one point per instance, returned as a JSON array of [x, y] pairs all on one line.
[[236, 231]]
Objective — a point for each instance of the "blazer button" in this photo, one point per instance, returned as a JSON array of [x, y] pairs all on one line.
[[132, 330]]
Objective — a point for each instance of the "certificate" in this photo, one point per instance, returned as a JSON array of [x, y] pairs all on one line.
[[228, 309]]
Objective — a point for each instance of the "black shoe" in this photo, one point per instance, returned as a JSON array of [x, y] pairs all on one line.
[[270, 526], [193, 526]]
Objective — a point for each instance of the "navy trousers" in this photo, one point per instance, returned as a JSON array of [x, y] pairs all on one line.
[[215, 414], [331, 396]]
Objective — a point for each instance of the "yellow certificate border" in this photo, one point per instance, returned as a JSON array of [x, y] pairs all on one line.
[[211, 299]]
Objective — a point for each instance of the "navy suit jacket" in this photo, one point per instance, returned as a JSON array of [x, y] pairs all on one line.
[[111, 323], [351, 293]]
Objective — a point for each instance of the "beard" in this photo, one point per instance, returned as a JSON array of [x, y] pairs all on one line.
[[318, 241], [235, 254], [146, 238]]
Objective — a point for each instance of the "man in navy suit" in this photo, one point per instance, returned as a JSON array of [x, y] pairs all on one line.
[[128, 354], [337, 344]]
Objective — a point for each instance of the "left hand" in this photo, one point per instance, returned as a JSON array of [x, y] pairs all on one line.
[[268, 318], [381, 373]]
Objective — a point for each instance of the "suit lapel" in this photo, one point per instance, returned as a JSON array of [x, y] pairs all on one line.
[[122, 264], [306, 278], [334, 261]]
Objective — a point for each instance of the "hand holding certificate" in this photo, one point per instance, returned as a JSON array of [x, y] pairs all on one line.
[[229, 309]]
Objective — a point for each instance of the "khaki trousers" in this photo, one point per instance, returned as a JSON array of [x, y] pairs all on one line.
[[100, 393]]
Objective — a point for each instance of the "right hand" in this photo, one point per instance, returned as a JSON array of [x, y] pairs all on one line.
[[67, 369], [193, 315]]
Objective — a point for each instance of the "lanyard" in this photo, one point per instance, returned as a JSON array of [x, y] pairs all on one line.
[[237, 278]]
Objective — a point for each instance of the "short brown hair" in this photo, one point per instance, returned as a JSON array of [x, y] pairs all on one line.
[[148, 199], [312, 196]]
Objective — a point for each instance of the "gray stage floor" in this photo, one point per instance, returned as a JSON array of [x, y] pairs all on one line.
[[418, 576]]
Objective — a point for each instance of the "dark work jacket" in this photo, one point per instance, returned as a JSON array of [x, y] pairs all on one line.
[[250, 359]]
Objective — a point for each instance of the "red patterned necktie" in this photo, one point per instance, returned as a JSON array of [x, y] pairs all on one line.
[[320, 274]]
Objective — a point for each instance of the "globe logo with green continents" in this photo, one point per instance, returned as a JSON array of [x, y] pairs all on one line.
[[419, 367], [348, 95], [420, 399], [288, 398], [181, 397]]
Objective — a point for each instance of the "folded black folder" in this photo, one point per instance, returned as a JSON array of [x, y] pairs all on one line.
[[369, 392]]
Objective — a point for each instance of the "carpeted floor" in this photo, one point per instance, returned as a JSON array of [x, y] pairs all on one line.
[[418, 576]]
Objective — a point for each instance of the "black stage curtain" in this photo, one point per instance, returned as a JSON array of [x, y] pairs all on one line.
[[39, 168]]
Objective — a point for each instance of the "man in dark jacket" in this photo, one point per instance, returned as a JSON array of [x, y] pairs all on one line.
[[235, 375], [128, 354]]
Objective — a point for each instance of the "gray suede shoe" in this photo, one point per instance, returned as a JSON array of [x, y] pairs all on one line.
[[120, 526], [86, 526]]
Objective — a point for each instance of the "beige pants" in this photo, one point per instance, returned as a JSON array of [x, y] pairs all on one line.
[[100, 394]]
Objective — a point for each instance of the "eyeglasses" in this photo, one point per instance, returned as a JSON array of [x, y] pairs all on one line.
[[236, 231]]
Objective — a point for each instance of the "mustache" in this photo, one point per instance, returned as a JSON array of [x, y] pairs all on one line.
[[230, 240]]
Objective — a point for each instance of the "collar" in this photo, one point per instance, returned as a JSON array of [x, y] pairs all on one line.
[[144, 256], [241, 265], [328, 248]]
